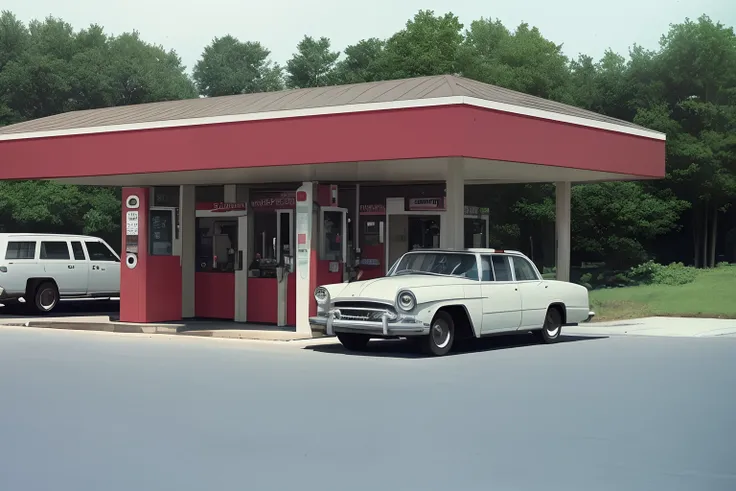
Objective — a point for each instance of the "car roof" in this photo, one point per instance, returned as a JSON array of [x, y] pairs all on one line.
[[470, 250], [47, 236]]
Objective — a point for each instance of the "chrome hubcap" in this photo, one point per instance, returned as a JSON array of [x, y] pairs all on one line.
[[440, 334], [47, 299], [553, 328]]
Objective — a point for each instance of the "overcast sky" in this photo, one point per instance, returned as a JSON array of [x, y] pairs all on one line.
[[187, 26]]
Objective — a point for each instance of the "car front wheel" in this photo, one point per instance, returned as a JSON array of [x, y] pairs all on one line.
[[353, 341], [552, 327], [441, 335]]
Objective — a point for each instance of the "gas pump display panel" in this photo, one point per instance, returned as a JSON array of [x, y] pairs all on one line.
[[217, 245], [332, 239], [475, 232], [161, 230]]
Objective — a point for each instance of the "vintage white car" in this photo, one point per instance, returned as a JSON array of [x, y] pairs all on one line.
[[438, 296]]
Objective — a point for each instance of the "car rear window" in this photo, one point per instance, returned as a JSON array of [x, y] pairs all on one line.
[[501, 268], [21, 250], [54, 250]]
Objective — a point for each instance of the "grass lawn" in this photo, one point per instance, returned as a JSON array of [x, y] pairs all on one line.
[[712, 294]]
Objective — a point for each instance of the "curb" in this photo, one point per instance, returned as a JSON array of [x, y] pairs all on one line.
[[125, 328]]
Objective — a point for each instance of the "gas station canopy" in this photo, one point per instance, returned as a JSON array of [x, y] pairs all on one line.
[[339, 133]]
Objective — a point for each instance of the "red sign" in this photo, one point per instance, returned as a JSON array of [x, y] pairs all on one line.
[[416, 204], [301, 239], [221, 206], [301, 196], [273, 201], [373, 209]]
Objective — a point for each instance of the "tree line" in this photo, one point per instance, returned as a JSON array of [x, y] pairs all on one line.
[[686, 88]]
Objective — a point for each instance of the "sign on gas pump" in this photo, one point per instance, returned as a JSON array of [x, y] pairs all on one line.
[[303, 232], [131, 223]]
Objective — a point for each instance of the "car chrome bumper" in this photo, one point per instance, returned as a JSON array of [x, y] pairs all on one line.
[[330, 325]]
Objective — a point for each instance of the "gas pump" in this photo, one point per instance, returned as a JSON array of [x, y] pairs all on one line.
[[284, 260], [353, 270], [333, 244]]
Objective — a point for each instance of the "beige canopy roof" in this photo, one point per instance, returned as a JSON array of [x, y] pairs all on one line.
[[414, 89]]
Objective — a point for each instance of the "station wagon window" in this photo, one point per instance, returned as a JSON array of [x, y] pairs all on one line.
[[78, 251], [501, 268], [54, 250], [524, 270], [438, 263], [99, 252], [486, 272], [21, 250]]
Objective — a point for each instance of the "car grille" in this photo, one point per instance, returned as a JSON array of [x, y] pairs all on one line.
[[364, 311]]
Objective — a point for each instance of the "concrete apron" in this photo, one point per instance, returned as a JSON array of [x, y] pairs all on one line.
[[659, 326], [183, 329]]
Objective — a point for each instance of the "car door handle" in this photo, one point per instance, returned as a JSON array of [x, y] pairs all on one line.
[[70, 266]]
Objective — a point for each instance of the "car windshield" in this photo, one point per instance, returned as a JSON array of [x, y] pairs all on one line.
[[437, 263]]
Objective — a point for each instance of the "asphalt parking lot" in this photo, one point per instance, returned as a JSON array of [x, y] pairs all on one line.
[[67, 309], [90, 411]]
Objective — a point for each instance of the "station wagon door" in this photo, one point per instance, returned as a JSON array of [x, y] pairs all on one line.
[[104, 269], [535, 297], [501, 298], [58, 264]]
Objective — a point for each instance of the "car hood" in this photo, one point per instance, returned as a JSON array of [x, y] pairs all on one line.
[[388, 287]]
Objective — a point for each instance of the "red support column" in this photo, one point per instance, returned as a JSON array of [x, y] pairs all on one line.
[[151, 290]]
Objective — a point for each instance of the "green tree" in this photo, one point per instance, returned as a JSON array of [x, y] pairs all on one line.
[[428, 45], [229, 66], [143, 72], [361, 63], [523, 60], [696, 84], [313, 64]]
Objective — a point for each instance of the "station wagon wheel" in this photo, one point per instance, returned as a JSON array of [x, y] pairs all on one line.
[[552, 327], [353, 341], [46, 297], [441, 335]]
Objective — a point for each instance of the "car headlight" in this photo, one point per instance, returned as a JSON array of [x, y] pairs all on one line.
[[406, 301], [321, 295]]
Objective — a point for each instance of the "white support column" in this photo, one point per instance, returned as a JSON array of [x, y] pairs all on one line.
[[452, 233], [244, 238], [230, 193], [188, 238], [306, 242], [562, 228]]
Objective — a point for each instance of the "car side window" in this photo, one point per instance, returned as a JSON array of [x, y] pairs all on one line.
[[99, 252], [78, 251], [21, 250], [56, 249], [501, 268], [524, 270], [486, 272]]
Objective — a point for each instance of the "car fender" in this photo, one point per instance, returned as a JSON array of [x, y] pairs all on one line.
[[425, 312]]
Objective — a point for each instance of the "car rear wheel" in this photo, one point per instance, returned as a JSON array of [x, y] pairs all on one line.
[[441, 335], [46, 297], [353, 341], [552, 327]]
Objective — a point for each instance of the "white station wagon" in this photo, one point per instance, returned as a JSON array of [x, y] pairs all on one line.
[[39, 270], [437, 296]]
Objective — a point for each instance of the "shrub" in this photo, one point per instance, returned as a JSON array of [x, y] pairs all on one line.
[[652, 273], [722, 264], [585, 280]]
